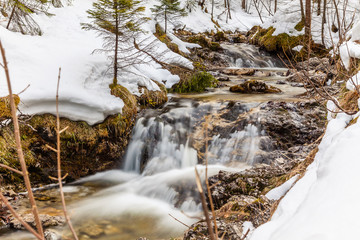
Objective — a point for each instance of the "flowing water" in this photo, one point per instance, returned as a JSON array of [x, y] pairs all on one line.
[[157, 177]]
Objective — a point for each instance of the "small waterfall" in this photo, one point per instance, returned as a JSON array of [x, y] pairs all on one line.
[[249, 56], [242, 146], [161, 143]]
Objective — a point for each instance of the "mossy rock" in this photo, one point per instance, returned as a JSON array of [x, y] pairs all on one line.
[[220, 36], [161, 35], [85, 149], [198, 82], [152, 99], [254, 86], [5, 109], [204, 42]]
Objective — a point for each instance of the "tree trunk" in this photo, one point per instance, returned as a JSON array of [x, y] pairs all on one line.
[[116, 44], [308, 20], [302, 11], [319, 7], [275, 7], [228, 7], [243, 4], [323, 24], [11, 16], [165, 20], [338, 21], [212, 9]]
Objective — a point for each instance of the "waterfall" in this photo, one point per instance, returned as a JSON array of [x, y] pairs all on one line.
[[249, 56]]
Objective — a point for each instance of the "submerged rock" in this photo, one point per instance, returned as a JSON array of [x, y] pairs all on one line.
[[239, 71], [254, 86], [46, 220]]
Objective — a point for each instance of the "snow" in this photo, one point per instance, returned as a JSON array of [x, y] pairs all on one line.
[[277, 193], [85, 78]]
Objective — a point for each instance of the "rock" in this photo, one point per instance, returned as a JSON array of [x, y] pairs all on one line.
[[297, 85], [11, 193], [52, 235], [224, 79], [314, 63], [92, 230], [230, 230], [46, 220], [311, 78], [282, 82], [254, 86], [239, 71]]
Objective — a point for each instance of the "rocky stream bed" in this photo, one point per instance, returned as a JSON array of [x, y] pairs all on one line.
[[263, 123]]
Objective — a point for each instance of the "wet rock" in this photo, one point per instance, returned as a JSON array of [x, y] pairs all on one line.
[[251, 182], [199, 230], [282, 82], [46, 220], [317, 64], [254, 86], [92, 230], [297, 85], [224, 79], [291, 124], [52, 235], [239, 71]]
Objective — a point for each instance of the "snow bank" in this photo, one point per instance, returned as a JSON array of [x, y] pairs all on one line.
[[323, 205], [85, 78]]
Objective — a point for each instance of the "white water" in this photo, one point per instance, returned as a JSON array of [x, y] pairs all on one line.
[[249, 56]]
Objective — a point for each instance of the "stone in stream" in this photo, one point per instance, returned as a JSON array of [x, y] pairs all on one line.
[[224, 79], [239, 71], [46, 220], [254, 86]]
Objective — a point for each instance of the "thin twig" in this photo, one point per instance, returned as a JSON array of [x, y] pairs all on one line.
[[179, 221], [11, 169], [207, 179], [204, 205], [247, 232], [14, 213], [19, 148], [59, 160]]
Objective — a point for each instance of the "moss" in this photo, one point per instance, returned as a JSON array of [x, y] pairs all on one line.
[[153, 99], [197, 83], [5, 109], [300, 26], [161, 35], [85, 149], [220, 36]]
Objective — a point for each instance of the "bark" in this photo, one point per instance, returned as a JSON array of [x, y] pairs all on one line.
[[302, 11], [116, 44], [308, 21], [323, 23]]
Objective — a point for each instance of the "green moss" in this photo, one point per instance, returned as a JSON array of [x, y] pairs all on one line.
[[197, 83], [5, 109], [161, 35], [220, 36], [300, 26]]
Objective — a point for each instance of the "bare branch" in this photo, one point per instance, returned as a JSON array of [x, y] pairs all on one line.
[[68, 220], [11, 169]]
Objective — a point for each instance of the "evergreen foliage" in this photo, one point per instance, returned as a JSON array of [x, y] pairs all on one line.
[[19, 13], [118, 22], [168, 9]]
